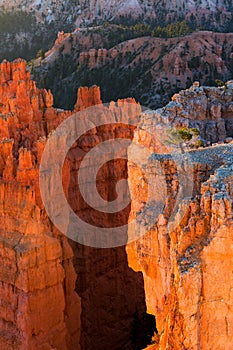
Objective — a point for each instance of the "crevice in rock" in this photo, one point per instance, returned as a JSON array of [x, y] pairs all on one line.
[[112, 299], [112, 294]]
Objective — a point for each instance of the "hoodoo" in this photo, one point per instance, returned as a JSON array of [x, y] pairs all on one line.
[[169, 289]]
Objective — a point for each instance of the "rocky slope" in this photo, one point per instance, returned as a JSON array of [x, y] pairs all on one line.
[[27, 26], [23, 36], [59, 294], [48, 11], [86, 12], [149, 69], [158, 10]]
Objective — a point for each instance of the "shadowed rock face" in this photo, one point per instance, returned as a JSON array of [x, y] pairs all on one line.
[[112, 295]]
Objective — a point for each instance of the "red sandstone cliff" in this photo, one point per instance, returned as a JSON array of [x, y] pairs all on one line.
[[37, 311], [59, 294], [56, 293]]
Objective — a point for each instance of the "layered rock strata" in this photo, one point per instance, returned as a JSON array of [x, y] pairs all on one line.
[[186, 253], [39, 306], [56, 293]]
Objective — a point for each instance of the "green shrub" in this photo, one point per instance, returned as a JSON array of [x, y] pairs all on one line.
[[40, 54], [195, 131], [172, 30], [219, 82], [199, 143], [185, 134]]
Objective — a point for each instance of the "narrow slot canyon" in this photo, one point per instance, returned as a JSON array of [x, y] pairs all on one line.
[[113, 307], [112, 301]]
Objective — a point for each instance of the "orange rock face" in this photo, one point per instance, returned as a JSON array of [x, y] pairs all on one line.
[[56, 294], [88, 98], [186, 256], [36, 261], [112, 295]]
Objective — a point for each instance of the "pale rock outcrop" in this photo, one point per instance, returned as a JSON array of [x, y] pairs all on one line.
[[186, 253]]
